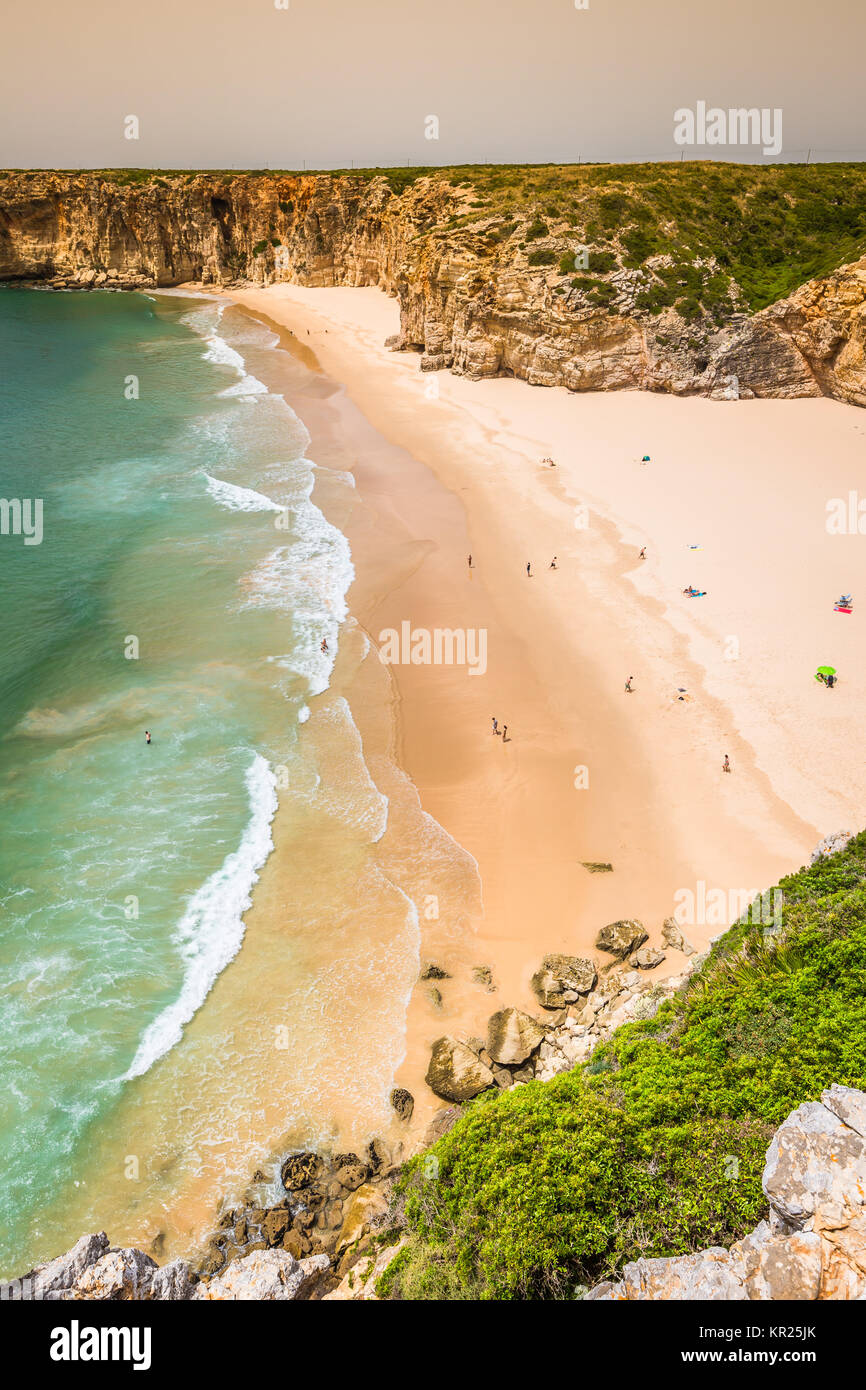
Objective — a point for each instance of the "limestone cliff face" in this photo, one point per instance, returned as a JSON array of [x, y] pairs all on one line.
[[811, 344], [467, 302]]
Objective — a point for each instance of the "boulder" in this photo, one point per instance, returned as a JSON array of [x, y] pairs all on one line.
[[831, 844], [815, 1160], [621, 938], [300, 1170], [171, 1282], [351, 1175], [561, 980], [647, 958], [431, 971], [673, 937], [296, 1244], [849, 1105], [455, 1073], [779, 1266], [119, 1276], [512, 1036], [275, 1225], [403, 1103], [266, 1275], [712, 1274], [50, 1279]]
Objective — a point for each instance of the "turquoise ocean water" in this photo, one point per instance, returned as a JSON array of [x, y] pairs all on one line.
[[183, 584]]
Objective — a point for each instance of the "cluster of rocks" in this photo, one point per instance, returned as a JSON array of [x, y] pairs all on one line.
[[814, 1244], [579, 1008], [94, 1270], [298, 1248], [90, 279], [332, 1206]]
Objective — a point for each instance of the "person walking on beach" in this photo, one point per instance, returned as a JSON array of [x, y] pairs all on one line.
[[324, 644], [628, 685], [726, 765], [642, 555], [553, 563], [496, 726], [147, 735], [470, 561], [504, 733], [529, 569]]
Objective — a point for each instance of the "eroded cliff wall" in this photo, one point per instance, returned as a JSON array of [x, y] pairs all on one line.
[[469, 302]]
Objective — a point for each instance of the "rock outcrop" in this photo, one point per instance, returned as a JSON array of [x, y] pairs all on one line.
[[455, 1072], [403, 1103], [264, 1275], [560, 980], [470, 300], [814, 1244], [831, 844], [621, 938], [93, 1269], [512, 1036]]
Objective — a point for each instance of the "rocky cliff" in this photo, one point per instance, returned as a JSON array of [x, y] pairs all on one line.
[[478, 296]]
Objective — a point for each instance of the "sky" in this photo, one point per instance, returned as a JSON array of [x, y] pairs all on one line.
[[330, 83]]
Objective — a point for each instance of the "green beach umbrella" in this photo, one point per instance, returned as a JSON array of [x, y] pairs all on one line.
[[826, 670]]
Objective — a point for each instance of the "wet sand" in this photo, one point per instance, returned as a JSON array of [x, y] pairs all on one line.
[[482, 861], [590, 773]]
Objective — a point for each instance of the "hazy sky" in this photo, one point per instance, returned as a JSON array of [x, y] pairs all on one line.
[[218, 83]]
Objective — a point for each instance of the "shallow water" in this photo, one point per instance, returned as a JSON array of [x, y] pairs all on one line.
[[154, 1053]]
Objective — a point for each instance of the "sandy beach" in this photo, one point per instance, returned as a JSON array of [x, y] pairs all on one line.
[[733, 501]]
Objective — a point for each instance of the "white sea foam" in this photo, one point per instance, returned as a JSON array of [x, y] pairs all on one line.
[[211, 930], [239, 499], [205, 322], [308, 578], [247, 386]]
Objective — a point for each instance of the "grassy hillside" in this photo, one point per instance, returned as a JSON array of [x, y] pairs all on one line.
[[656, 1146]]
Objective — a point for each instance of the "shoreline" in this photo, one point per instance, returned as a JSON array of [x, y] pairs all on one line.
[[438, 476], [658, 807]]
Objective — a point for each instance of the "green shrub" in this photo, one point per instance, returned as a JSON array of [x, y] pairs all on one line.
[[542, 257], [656, 1147], [602, 262]]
